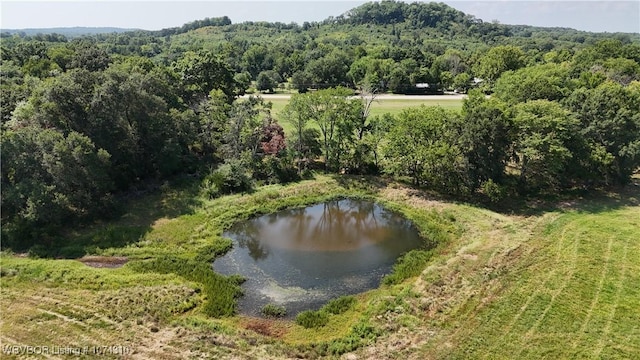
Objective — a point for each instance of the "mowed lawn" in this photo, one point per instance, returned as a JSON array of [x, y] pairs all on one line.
[[379, 107], [574, 293]]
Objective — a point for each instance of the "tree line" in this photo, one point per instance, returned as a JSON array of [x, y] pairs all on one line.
[[84, 121]]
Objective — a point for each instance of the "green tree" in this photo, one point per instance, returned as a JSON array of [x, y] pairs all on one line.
[[201, 72], [243, 82], [49, 179], [14, 88], [610, 123], [265, 82], [330, 70], [213, 118], [462, 82], [498, 60], [452, 61], [548, 81], [373, 139], [257, 59], [61, 102], [484, 137], [622, 71], [399, 82], [371, 72], [89, 56], [420, 144], [543, 144], [244, 128], [124, 110], [298, 114], [301, 81], [268, 80], [336, 116]]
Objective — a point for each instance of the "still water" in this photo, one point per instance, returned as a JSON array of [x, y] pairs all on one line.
[[302, 258]]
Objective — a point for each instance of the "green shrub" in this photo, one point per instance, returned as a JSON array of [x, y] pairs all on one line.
[[312, 319], [492, 191], [409, 265], [230, 177], [362, 334], [279, 170], [209, 189], [273, 311], [339, 305]]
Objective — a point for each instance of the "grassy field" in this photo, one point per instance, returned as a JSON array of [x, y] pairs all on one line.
[[382, 106], [567, 285], [558, 280], [379, 107]]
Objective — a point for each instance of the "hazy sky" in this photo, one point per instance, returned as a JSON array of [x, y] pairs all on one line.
[[603, 15]]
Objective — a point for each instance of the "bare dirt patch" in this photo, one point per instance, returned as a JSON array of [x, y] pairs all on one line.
[[266, 327], [104, 261]]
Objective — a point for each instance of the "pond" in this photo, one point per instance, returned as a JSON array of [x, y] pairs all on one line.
[[302, 258]]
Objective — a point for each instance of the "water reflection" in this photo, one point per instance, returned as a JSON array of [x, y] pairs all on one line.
[[303, 257]]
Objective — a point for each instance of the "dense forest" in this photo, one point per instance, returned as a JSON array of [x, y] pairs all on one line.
[[90, 120]]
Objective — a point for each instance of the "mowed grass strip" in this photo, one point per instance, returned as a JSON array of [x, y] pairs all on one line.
[[576, 296]]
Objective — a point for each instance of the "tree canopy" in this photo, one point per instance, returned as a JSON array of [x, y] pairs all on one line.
[[94, 118]]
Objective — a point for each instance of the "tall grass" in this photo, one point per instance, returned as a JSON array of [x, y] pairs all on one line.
[[220, 291], [177, 248]]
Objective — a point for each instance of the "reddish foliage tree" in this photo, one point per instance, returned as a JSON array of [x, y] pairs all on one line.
[[272, 140]]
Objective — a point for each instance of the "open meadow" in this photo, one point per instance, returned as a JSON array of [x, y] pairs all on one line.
[[557, 280], [392, 104]]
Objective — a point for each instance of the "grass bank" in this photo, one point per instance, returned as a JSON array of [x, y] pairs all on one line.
[[559, 283], [574, 293], [172, 247]]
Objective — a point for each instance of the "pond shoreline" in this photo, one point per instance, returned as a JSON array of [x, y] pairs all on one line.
[[301, 258]]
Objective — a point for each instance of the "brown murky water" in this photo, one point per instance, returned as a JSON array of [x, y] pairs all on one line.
[[301, 258]]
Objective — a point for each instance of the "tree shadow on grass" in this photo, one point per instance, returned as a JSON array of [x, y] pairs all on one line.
[[582, 200], [366, 183], [136, 213], [606, 200]]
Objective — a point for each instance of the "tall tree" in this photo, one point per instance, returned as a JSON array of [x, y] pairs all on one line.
[[610, 123], [548, 81], [498, 60], [49, 179], [202, 72], [336, 116], [298, 114], [421, 144], [485, 136], [543, 145], [243, 132]]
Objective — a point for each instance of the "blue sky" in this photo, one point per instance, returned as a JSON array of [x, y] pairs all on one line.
[[601, 16]]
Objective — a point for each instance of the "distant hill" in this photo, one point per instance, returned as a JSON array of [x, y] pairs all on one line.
[[69, 32]]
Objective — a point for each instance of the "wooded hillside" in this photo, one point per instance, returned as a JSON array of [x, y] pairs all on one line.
[[90, 120]]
